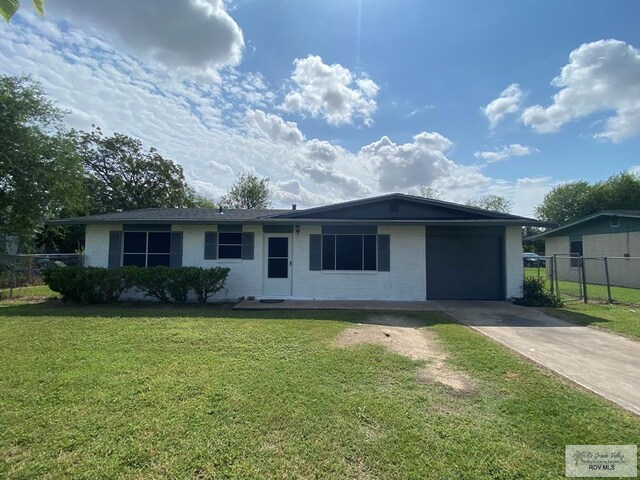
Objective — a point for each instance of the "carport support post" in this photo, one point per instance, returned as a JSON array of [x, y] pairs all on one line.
[[584, 279], [606, 275]]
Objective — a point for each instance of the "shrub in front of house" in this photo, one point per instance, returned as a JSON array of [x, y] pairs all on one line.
[[536, 294], [105, 285], [86, 284]]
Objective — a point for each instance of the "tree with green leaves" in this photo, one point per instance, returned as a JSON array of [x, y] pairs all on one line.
[[495, 203], [40, 171], [121, 175], [8, 8], [566, 202], [249, 191], [571, 201]]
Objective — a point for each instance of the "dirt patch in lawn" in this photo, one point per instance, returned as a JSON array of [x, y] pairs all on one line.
[[399, 334]]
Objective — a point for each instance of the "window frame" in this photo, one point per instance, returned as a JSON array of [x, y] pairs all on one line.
[[335, 252], [146, 247], [575, 256]]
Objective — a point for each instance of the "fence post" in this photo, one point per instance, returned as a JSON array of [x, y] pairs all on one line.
[[584, 280], [13, 279], [555, 273], [550, 267], [606, 276]]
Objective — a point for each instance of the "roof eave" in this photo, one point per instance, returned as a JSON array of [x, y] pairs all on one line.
[[306, 221]]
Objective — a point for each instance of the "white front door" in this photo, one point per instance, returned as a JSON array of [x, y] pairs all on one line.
[[277, 268]]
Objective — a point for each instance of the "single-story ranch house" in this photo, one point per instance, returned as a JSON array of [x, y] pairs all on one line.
[[391, 247]]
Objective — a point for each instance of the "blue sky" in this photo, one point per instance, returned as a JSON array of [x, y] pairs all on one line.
[[342, 99]]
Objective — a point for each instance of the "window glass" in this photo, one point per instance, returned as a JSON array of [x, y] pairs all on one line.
[[370, 252], [137, 260], [575, 250], [227, 238], [229, 245], [278, 268], [159, 242], [278, 247], [135, 242], [155, 260], [328, 252], [349, 252], [230, 251]]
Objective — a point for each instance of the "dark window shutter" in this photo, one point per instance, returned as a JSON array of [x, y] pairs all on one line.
[[384, 253], [315, 251], [210, 246], [247, 246], [176, 250], [115, 248]]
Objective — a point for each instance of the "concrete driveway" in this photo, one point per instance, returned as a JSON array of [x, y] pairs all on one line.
[[605, 363]]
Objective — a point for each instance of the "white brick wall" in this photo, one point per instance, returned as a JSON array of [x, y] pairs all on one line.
[[245, 276], [405, 281], [96, 249], [514, 268]]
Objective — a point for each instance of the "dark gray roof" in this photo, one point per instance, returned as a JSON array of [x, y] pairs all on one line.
[[603, 213], [173, 215], [402, 196], [334, 213]]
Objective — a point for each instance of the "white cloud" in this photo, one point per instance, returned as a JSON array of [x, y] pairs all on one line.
[[203, 125], [601, 76], [635, 170], [323, 151], [421, 162], [504, 152], [273, 127], [509, 101], [325, 175], [328, 91], [180, 33]]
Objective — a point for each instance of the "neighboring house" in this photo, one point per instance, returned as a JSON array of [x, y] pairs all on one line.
[[393, 247], [8, 244], [612, 233]]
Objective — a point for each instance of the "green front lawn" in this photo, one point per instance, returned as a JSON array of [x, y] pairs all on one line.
[[150, 392], [36, 291], [618, 318]]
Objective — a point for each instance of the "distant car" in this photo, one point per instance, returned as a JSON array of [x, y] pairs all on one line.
[[533, 260]]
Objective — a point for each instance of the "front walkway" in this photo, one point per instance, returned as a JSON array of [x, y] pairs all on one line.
[[602, 362]]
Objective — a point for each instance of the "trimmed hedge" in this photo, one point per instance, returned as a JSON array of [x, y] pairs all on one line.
[[536, 294], [104, 285]]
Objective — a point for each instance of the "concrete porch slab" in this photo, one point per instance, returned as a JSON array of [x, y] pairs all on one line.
[[382, 305]]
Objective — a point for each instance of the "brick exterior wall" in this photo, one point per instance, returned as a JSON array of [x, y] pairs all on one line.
[[514, 265], [406, 280]]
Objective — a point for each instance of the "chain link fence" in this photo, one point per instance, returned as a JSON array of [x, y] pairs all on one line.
[[18, 271], [591, 279]]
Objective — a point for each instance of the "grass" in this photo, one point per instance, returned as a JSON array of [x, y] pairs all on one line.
[[36, 291], [617, 318], [191, 392], [621, 295]]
